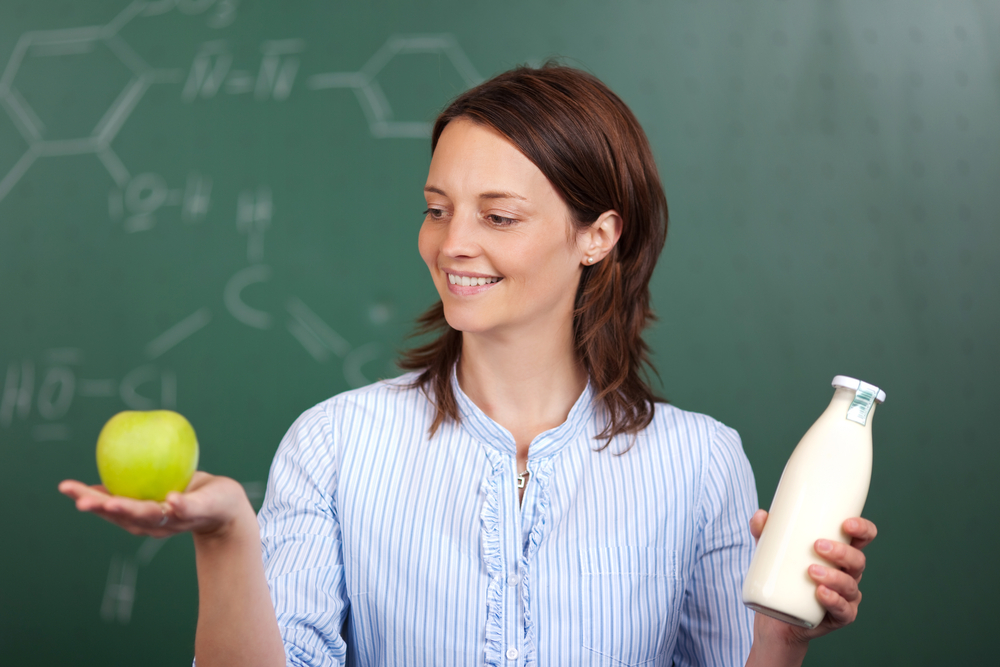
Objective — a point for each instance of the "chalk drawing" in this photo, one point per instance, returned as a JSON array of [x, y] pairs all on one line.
[[144, 388], [90, 388], [222, 15], [67, 43], [139, 202], [232, 296], [312, 324], [178, 332], [356, 359], [370, 96], [211, 71], [146, 193], [144, 375], [18, 389], [119, 591], [56, 394], [253, 218]]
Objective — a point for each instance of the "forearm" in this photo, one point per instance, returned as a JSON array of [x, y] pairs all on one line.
[[782, 657], [236, 621], [770, 649]]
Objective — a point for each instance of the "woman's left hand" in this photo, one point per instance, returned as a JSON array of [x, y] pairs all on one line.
[[836, 587]]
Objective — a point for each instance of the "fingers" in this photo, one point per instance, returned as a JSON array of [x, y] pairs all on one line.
[[208, 504], [862, 531], [840, 611], [757, 522], [178, 506], [837, 586], [844, 556], [73, 489], [88, 498], [139, 517], [838, 592], [841, 583]]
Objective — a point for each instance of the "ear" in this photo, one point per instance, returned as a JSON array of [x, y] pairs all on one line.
[[597, 240]]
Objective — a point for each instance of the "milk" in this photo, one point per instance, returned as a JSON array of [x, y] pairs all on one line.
[[824, 483]]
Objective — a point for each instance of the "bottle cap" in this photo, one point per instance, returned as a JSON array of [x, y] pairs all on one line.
[[856, 385]]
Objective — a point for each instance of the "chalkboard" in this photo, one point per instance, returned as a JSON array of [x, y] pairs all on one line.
[[212, 206]]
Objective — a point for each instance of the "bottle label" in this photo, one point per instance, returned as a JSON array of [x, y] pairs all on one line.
[[864, 399]]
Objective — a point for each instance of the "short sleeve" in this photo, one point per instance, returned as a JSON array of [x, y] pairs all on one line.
[[716, 628], [301, 542]]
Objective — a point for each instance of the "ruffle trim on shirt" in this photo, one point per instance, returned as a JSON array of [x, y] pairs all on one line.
[[540, 477], [493, 557]]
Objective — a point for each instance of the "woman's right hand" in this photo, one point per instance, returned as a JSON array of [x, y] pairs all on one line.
[[236, 621], [209, 506]]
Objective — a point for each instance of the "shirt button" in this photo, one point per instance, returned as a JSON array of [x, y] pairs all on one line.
[[513, 580], [512, 654]]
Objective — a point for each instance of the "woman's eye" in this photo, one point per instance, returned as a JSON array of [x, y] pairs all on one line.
[[499, 220], [434, 213]]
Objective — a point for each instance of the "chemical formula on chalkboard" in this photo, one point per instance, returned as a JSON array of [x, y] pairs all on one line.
[[47, 394], [211, 72], [142, 201]]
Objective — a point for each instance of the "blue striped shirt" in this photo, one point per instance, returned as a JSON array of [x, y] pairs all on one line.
[[384, 547]]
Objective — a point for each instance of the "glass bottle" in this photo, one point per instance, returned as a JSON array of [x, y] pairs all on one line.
[[825, 482]]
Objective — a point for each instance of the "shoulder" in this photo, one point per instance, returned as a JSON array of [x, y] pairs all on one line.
[[673, 426], [715, 453], [705, 446], [393, 394], [369, 413], [366, 414]]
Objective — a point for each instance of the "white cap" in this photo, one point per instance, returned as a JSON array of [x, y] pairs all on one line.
[[851, 383]]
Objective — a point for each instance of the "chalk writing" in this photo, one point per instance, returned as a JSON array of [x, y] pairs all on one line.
[[68, 44]]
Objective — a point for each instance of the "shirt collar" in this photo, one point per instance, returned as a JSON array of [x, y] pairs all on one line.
[[481, 427]]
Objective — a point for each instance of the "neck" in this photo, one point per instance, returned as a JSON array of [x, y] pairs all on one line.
[[527, 384]]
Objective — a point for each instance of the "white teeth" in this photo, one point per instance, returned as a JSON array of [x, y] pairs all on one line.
[[467, 281]]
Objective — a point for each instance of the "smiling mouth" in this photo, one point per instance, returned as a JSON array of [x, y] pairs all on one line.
[[469, 281]]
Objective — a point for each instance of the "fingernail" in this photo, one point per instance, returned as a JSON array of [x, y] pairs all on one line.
[[818, 570], [823, 545], [851, 524]]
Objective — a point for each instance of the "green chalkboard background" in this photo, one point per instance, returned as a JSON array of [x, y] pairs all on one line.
[[213, 205]]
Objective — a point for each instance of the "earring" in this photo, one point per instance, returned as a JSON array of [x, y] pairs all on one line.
[[590, 260]]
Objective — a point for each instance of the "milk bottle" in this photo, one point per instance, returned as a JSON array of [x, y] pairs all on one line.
[[824, 483]]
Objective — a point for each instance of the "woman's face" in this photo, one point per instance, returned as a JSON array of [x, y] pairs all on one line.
[[497, 238]]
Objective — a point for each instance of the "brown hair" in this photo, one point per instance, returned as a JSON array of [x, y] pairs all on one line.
[[596, 156]]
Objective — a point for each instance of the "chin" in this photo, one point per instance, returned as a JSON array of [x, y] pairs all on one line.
[[465, 322]]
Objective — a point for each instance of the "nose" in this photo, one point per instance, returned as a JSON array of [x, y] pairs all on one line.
[[461, 235]]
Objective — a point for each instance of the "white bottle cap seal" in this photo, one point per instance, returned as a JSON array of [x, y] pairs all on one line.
[[852, 383]]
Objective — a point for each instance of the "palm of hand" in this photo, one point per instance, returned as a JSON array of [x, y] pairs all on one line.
[[208, 505]]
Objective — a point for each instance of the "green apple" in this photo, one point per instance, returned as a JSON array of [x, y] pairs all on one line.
[[146, 454]]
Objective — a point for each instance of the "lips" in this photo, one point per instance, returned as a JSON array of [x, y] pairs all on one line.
[[470, 283]]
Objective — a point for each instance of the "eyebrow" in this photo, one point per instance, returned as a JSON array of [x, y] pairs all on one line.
[[484, 195]]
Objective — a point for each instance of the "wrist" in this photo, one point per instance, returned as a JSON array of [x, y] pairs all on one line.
[[236, 524], [775, 644]]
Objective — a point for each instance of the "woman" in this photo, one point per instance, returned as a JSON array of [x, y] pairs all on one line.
[[520, 497]]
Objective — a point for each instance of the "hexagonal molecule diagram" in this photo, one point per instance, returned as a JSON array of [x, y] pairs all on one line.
[[55, 120], [370, 95]]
